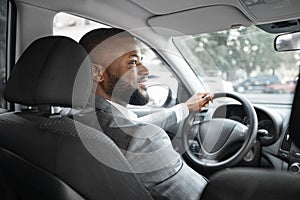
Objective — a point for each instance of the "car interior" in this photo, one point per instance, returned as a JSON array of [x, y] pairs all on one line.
[[245, 142]]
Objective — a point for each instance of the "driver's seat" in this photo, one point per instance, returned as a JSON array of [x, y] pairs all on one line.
[[42, 155]]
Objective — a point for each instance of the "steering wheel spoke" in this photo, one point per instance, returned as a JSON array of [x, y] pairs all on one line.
[[208, 157]]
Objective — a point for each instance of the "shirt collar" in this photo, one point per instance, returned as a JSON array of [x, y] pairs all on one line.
[[99, 103]]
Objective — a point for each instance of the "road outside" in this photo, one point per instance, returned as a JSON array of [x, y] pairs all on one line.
[[270, 98]]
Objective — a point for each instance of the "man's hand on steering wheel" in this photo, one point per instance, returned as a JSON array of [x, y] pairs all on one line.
[[199, 101]]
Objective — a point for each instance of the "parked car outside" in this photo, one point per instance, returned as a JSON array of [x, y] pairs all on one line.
[[256, 84], [287, 87]]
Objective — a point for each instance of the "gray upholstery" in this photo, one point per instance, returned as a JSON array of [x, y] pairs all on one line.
[[42, 156]]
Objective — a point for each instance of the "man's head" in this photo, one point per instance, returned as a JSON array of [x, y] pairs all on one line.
[[118, 72]]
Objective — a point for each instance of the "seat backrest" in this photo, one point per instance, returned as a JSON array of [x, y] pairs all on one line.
[[42, 155]]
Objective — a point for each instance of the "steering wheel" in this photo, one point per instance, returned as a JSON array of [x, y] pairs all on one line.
[[219, 136]]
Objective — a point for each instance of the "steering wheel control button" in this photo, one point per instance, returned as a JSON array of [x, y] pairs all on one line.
[[284, 154], [296, 154], [295, 168], [195, 147]]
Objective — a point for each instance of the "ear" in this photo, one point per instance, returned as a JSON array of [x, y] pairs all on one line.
[[97, 72]]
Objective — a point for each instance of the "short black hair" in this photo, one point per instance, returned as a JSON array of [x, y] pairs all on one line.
[[93, 38]]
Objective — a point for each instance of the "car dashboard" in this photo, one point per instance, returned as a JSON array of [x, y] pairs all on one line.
[[269, 122], [277, 148]]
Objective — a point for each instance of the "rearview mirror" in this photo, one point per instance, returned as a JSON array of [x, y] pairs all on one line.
[[287, 42]]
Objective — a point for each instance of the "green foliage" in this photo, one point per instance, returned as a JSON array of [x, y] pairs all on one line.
[[248, 50]]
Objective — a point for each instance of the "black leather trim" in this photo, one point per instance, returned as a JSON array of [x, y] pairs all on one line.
[[295, 115], [258, 184]]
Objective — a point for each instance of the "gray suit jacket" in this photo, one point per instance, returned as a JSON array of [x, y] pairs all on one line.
[[166, 118], [149, 150]]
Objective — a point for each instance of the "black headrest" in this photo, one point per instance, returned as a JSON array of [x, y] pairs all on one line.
[[46, 73]]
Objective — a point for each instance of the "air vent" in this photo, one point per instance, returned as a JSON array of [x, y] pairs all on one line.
[[286, 143]]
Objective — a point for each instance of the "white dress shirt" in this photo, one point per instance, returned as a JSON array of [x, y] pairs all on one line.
[[164, 119]]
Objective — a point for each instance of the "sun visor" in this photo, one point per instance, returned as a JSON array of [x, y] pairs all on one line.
[[200, 20]]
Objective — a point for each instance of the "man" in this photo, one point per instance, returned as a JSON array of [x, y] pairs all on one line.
[[138, 96], [118, 73]]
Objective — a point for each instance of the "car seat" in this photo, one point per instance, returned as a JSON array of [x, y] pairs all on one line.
[[42, 154]]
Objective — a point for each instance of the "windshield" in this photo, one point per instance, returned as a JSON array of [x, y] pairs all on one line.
[[242, 60]]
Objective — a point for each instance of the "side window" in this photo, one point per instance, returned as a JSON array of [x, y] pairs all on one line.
[[3, 49], [161, 80], [72, 26]]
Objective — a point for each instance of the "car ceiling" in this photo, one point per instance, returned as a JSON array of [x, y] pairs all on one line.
[[180, 16]]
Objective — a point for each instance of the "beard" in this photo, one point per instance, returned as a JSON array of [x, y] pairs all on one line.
[[138, 98], [123, 91]]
